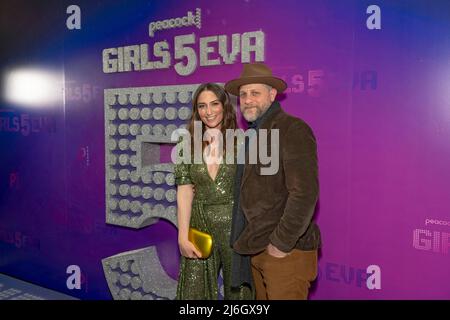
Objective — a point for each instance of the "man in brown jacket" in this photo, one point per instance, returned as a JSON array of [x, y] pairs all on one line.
[[272, 216]]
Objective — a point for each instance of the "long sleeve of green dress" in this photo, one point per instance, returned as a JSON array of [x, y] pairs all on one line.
[[211, 212]]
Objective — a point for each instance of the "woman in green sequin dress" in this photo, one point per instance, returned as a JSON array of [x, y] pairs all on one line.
[[209, 208]]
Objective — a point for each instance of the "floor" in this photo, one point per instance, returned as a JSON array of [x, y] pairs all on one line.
[[15, 289]]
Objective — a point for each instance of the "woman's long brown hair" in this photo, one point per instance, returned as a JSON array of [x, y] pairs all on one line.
[[229, 113]]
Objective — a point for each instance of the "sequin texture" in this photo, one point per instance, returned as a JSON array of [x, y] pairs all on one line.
[[211, 212]]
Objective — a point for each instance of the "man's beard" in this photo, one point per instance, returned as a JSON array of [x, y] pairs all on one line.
[[254, 116]]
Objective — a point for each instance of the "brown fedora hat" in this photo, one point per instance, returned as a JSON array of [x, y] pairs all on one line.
[[255, 73]]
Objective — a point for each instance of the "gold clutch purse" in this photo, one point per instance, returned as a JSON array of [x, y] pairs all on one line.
[[202, 241]]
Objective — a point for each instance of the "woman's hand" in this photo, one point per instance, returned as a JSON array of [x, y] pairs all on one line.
[[188, 250]]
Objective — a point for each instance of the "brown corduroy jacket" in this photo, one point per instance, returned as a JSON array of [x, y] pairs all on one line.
[[279, 208]]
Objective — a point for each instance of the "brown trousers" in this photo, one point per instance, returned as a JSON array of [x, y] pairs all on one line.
[[285, 278]]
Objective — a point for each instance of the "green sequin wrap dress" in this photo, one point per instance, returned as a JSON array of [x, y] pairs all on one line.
[[211, 212]]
